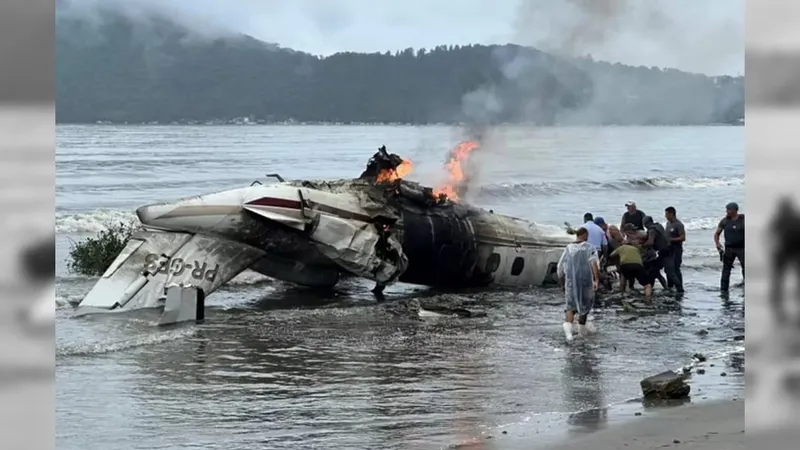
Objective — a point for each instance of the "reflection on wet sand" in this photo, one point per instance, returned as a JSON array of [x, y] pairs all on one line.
[[583, 389], [320, 381]]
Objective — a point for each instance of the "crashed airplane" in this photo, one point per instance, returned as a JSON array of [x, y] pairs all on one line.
[[380, 226]]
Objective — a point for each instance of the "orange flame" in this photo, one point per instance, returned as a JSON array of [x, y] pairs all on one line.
[[397, 173], [455, 168]]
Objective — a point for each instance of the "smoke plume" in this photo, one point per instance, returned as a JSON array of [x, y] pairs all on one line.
[[576, 31]]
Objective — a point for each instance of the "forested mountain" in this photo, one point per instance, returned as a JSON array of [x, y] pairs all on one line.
[[120, 70]]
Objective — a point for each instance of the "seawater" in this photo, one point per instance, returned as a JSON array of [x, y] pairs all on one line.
[[277, 366]]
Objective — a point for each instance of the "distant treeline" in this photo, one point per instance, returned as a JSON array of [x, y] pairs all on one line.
[[120, 71]]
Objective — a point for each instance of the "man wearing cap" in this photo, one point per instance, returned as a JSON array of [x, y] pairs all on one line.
[[632, 216], [732, 225]]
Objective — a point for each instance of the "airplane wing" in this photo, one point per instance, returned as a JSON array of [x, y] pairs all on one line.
[[154, 259]]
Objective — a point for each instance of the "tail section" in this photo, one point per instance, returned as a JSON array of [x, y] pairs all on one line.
[[153, 260]]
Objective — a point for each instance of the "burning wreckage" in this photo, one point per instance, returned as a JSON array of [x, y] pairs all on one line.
[[379, 226]]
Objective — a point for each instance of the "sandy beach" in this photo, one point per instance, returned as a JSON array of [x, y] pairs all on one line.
[[708, 426]]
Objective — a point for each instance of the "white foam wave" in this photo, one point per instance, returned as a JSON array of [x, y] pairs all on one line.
[[550, 230], [704, 223], [699, 182], [92, 222]]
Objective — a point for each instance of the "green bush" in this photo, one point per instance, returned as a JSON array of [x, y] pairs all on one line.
[[92, 256]]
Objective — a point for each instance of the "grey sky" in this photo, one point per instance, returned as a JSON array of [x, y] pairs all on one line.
[[772, 24], [696, 35]]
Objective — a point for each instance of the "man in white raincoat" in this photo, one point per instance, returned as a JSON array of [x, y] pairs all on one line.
[[579, 273]]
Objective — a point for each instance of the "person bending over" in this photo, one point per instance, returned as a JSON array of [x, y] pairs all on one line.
[[633, 216], [656, 250], [631, 267]]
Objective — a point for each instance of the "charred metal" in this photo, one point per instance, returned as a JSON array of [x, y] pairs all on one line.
[[382, 228]]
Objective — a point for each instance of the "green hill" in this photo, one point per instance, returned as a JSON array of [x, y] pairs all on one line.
[[120, 70]]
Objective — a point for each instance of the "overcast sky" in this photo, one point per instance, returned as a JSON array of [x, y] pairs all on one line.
[[772, 24], [696, 35]]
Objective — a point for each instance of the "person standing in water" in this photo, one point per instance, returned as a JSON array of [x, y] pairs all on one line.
[[733, 227], [676, 233], [579, 275], [632, 216]]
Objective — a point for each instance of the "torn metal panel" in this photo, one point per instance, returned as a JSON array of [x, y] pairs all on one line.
[[503, 230], [370, 198], [359, 248]]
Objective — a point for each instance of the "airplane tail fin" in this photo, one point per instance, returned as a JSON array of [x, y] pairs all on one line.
[[154, 260]]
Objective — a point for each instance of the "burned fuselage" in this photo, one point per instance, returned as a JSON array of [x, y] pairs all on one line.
[[311, 232]]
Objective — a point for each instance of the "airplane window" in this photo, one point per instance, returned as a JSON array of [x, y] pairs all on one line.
[[517, 266], [492, 263], [552, 274]]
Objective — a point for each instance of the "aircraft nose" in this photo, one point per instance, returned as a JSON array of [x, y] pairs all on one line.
[[149, 214]]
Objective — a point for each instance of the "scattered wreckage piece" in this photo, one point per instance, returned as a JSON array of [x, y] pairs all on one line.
[[183, 303], [415, 309]]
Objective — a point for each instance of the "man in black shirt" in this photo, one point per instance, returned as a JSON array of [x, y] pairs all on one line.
[[676, 234], [633, 216], [733, 227], [656, 250]]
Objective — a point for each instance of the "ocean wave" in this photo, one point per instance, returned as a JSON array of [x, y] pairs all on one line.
[[704, 223], [699, 224], [643, 184], [92, 222]]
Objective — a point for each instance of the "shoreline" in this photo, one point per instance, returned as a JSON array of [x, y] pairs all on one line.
[[712, 417], [699, 426], [714, 424]]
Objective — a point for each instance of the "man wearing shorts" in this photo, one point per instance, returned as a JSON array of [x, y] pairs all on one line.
[[631, 267]]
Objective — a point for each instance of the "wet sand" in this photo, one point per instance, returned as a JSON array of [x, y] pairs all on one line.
[[718, 426]]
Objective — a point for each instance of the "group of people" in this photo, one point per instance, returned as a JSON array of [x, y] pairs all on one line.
[[639, 249]]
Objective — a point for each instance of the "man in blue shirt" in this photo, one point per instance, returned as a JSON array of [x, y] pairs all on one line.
[[597, 236]]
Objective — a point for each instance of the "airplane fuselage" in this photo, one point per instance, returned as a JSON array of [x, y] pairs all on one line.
[[446, 246]]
